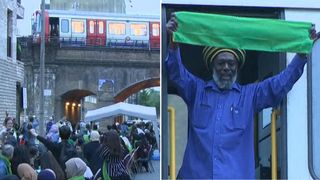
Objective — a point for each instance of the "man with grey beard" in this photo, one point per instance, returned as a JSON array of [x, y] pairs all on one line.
[[220, 111]]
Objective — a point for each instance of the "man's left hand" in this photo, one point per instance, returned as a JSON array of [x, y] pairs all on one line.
[[313, 33], [314, 36]]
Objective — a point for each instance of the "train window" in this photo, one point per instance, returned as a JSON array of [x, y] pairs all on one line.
[[38, 23], [101, 27], [138, 29], [117, 28], [155, 29], [65, 25], [91, 27], [77, 26]]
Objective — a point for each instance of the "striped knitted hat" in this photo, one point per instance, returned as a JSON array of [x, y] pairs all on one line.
[[209, 53]]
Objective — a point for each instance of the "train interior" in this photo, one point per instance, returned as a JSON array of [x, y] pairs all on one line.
[[258, 66]]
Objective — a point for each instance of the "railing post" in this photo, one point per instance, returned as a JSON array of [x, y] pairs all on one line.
[[274, 155], [172, 120]]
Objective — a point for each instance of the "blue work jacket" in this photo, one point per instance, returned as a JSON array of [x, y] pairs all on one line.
[[220, 132]]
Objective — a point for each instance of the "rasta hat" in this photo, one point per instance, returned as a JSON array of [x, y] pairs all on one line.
[[209, 53]]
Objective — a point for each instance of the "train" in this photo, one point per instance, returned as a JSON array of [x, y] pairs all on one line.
[[80, 28], [297, 124]]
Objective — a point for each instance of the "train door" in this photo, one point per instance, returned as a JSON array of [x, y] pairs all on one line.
[[65, 30], [53, 27], [259, 65], [154, 35], [96, 33], [78, 31]]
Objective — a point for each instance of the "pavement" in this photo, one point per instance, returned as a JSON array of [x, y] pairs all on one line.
[[149, 175]]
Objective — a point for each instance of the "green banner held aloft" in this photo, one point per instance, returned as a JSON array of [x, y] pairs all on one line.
[[245, 33]]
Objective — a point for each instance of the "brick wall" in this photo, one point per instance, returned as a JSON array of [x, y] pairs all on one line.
[[11, 70], [10, 73]]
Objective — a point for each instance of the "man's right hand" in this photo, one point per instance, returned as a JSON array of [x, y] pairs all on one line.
[[33, 132], [172, 26]]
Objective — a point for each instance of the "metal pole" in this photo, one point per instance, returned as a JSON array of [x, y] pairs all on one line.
[[172, 114], [164, 103], [42, 58], [274, 157], [81, 105]]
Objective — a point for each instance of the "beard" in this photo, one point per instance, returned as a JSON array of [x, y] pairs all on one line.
[[223, 84]]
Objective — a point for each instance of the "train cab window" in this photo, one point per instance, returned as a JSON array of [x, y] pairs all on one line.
[[117, 28], [155, 29], [101, 27], [65, 25], [91, 27], [138, 29], [77, 26], [38, 23]]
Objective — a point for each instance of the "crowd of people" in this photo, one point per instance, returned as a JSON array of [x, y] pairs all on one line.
[[73, 152]]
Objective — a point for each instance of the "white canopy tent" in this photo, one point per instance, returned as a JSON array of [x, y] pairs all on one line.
[[121, 108]]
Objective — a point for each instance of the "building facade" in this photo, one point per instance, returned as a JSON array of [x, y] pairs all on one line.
[[11, 69]]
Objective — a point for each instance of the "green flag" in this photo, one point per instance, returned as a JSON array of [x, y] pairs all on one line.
[[245, 33]]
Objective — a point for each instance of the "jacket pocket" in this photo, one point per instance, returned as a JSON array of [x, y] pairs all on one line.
[[234, 129], [202, 116]]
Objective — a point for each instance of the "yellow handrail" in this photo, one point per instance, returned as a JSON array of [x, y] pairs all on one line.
[[274, 156], [172, 115]]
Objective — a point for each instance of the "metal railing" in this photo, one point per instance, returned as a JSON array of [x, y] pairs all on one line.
[[172, 119], [98, 42], [274, 156]]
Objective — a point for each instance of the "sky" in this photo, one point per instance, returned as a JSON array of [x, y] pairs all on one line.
[[132, 7]]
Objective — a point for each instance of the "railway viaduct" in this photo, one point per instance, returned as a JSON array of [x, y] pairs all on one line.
[[73, 73]]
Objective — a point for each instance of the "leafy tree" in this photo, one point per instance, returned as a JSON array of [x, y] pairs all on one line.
[[149, 97]]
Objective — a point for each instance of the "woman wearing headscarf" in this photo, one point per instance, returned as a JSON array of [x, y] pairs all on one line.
[[111, 152], [75, 169], [47, 174], [26, 172]]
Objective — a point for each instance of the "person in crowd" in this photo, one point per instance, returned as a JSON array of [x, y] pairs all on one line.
[[8, 134], [34, 154], [5, 157], [90, 149], [48, 161], [53, 133], [75, 169], [26, 172], [29, 140], [143, 152], [62, 151], [20, 155], [47, 174], [110, 151]]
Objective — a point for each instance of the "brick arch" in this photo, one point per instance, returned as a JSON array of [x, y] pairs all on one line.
[[134, 88]]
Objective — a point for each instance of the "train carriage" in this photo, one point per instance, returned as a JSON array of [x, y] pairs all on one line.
[[74, 28], [298, 117]]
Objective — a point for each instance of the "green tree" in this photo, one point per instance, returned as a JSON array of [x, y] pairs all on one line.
[[150, 97]]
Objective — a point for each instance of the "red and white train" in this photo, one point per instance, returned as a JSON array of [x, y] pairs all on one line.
[[98, 29]]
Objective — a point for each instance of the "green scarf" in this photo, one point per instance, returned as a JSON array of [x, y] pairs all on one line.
[[77, 178], [8, 164], [245, 33], [105, 174]]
